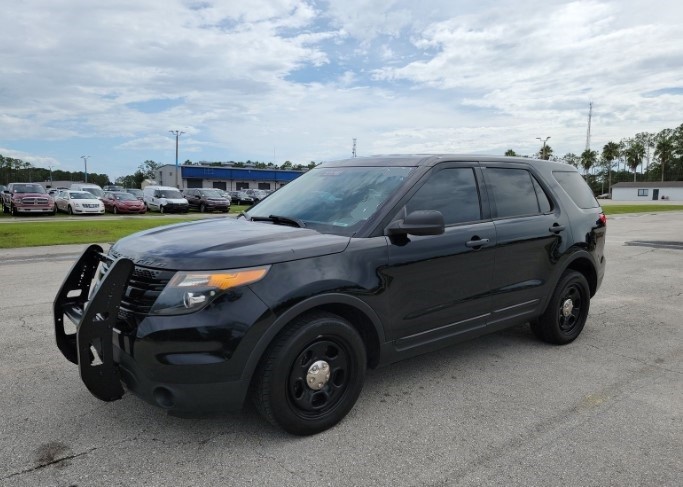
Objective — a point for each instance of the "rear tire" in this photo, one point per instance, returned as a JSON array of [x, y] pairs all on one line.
[[310, 346], [567, 311]]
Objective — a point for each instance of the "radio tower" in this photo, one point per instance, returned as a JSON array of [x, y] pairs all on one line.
[[588, 132], [353, 151]]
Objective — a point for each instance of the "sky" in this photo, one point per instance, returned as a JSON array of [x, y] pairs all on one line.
[[298, 80]]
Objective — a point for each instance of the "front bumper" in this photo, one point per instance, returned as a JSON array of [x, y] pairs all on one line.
[[34, 209], [185, 363]]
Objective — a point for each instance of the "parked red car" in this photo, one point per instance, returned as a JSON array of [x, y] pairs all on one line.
[[121, 202]]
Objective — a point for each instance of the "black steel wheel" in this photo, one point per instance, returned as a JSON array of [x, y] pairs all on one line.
[[312, 374], [567, 310]]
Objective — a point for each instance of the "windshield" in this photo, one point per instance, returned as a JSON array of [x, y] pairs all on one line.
[[125, 197], [212, 193], [136, 192], [170, 193], [28, 188], [95, 191], [82, 196], [333, 200]]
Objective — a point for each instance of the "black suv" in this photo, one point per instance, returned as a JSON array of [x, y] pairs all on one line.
[[206, 199], [355, 264]]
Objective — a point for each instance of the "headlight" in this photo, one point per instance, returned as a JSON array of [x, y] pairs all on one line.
[[190, 291]]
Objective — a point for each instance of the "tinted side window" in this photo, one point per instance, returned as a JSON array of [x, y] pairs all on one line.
[[576, 188], [512, 191], [543, 200], [453, 192]]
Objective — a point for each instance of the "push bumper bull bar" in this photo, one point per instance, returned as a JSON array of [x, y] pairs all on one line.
[[91, 346]]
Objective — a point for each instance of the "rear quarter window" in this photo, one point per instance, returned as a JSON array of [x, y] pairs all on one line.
[[577, 189]]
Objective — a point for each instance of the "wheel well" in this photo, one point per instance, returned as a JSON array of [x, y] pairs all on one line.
[[360, 322], [585, 267]]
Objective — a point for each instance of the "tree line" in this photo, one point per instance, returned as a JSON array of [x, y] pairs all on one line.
[[659, 156], [13, 170]]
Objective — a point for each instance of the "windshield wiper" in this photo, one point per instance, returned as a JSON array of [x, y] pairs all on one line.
[[279, 220]]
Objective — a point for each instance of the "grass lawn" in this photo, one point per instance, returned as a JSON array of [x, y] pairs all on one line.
[[34, 233], [88, 229], [618, 208]]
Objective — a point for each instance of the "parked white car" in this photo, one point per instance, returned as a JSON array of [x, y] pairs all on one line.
[[89, 187], [78, 203], [164, 199]]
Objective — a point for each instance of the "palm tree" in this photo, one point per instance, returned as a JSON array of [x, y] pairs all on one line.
[[545, 152], [664, 148], [588, 159], [634, 153], [610, 152], [648, 141]]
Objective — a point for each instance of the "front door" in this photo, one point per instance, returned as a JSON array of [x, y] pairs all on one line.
[[438, 286], [655, 194]]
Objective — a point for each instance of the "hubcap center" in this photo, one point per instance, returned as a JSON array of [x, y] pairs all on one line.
[[567, 308], [318, 375]]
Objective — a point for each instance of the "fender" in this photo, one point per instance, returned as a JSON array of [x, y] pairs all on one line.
[[301, 307], [573, 254]]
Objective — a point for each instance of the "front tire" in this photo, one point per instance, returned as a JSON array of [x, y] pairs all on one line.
[[115, 210], [69, 210], [312, 374], [161, 208], [202, 208], [567, 310]]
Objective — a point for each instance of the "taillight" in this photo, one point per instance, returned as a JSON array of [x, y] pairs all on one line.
[[602, 219]]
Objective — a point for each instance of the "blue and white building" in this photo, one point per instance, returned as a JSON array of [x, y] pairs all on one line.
[[227, 178]]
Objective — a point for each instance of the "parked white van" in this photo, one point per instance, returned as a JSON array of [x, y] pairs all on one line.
[[89, 187], [164, 199]]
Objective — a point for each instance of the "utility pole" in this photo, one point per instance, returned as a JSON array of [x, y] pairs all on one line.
[[543, 149], [353, 151], [177, 134], [85, 167], [588, 132]]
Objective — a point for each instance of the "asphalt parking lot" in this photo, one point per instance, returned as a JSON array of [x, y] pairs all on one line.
[[500, 410]]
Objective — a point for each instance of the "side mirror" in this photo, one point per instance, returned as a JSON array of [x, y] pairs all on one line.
[[421, 222]]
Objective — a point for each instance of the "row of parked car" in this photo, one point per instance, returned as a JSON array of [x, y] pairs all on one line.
[[83, 198]]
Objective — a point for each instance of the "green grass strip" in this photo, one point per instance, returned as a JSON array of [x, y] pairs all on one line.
[[35, 233], [618, 209]]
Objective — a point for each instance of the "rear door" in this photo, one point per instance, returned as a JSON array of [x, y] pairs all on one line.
[[531, 233], [438, 286]]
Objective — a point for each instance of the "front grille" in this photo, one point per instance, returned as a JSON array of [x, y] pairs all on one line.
[[90, 205], [34, 200], [144, 287]]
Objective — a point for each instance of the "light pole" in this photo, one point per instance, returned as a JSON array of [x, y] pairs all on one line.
[[177, 134], [50, 166], [543, 149], [85, 166]]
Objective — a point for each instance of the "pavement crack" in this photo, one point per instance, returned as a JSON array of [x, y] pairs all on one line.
[[47, 464]]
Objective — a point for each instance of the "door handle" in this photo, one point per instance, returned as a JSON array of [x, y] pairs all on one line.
[[556, 228], [476, 242]]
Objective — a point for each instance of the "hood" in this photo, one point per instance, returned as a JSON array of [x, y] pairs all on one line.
[[225, 243]]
